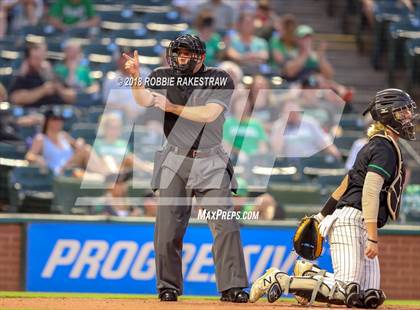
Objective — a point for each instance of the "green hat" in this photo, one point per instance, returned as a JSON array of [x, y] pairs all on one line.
[[303, 31]]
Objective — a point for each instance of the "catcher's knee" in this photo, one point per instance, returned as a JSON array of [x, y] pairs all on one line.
[[373, 298], [306, 268]]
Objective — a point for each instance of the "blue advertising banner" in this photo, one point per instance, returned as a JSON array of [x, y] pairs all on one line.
[[119, 258]]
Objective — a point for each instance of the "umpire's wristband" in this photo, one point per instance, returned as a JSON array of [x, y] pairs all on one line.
[[373, 241], [329, 207]]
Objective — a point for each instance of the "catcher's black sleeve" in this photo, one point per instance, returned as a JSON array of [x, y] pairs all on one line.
[[382, 159]]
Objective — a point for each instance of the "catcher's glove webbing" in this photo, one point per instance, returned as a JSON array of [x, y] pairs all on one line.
[[307, 240]]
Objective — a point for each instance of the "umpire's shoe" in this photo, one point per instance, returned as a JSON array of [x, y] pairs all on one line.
[[235, 294], [168, 295]]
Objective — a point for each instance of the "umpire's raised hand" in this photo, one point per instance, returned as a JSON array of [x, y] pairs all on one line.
[[132, 64]]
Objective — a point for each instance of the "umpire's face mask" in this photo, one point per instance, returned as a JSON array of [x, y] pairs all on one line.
[[183, 61]]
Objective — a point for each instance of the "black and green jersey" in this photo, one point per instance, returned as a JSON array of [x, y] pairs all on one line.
[[378, 156]]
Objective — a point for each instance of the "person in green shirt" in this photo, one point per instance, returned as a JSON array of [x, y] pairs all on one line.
[[244, 134], [66, 14], [114, 151], [283, 40], [305, 60], [204, 28], [71, 71]]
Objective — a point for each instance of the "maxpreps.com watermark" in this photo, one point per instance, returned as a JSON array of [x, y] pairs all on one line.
[[220, 214]]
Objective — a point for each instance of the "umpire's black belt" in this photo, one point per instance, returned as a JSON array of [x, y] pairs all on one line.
[[195, 153]]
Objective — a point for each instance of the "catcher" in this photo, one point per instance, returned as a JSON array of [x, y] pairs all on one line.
[[368, 195]]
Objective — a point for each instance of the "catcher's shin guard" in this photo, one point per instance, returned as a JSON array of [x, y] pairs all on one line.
[[308, 289], [354, 297], [302, 267], [262, 284], [373, 298]]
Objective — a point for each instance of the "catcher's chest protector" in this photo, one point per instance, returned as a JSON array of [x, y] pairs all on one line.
[[394, 190]]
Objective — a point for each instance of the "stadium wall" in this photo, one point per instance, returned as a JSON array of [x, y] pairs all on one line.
[[11, 254], [399, 249]]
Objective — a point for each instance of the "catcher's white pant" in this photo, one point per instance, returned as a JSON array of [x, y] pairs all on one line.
[[348, 236]]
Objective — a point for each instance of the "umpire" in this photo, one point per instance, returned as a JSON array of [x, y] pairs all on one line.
[[192, 163]]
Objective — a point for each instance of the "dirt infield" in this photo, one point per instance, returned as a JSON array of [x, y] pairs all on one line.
[[140, 304]]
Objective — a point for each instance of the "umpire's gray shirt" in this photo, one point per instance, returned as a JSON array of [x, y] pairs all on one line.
[[208, 85]]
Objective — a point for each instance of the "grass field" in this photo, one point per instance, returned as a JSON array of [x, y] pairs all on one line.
[[34, 301]]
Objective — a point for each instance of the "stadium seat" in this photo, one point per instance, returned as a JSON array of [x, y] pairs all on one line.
[[87, 131], [296, 194], [38, 33], [386, 12], [320, 161], [6, 71], [93, 114], [151, 6], [30, 189], [344, 143], [12, 151], [122, 19], [352, 122], [99, 53], [134, 38], [412, 60], [274, 170], [399, 32], [169, 21], [85, 100], [67, 190]]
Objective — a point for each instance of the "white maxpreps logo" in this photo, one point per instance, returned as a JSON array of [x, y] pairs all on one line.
[[220, 214]]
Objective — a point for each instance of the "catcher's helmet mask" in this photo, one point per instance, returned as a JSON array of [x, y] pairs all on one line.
[[396, 110], [194, 45]]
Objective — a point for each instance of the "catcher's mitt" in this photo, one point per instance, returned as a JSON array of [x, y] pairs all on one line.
[[307, 240]]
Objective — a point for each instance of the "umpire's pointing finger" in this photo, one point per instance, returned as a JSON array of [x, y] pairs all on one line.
[[127, 57]]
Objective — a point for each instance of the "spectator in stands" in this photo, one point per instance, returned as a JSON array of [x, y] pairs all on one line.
[[305, 60], [259, 97], [235, 73], [36, 84], [204, 28], [56, 149], [358, 144], [115, 195], [242, 133], [268, 208], [187, 8], [240, 200], [67, 14], [150, 205], [284, 40], [265, 19], [294, 136], [368, 9], [9, 125], [317, 81], [71, 71], [3, 93], [117, 95], [113, 150], [24, 13], [223, 13], [244, 47]]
